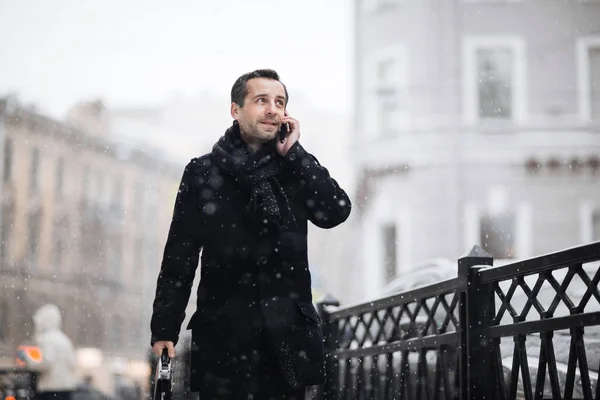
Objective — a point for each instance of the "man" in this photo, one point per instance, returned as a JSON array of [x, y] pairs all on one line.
[[255, 333]]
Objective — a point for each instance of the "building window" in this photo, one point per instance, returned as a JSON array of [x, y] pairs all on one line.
[[34, 171], [117, 198], [4, 322], [497, 235], [34, 228], [391, 92], [494, 79], [596, 225], [98, 327], [594, 82], [150, 206], [139, 260], [387, 95], [61, 232], [5, 233], [60, 178], [588, 64], [151, 258], [85, 184], [100, 190], [8, 155], [58, 252], [114, 258], [138, 201], [390, 245], [118, 330], [386, 99]]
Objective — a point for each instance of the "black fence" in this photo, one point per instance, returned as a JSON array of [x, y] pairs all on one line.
[[527, 330]]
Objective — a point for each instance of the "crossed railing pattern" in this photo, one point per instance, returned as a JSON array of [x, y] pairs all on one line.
[[402, 346], [386, 325], [547, 314], [560, 295]]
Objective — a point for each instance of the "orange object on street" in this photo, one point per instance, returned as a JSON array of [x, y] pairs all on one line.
[[30, 353]]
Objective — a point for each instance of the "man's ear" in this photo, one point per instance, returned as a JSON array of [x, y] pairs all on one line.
[[235, 110]]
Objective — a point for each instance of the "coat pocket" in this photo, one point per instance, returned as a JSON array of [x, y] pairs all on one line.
[[308, 310], [198, 319], [209, 314], [205, 316]]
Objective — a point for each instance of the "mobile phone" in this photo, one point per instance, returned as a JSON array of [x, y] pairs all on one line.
[[283, 132]]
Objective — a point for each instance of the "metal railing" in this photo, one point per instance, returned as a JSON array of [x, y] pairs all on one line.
[[514, 331]]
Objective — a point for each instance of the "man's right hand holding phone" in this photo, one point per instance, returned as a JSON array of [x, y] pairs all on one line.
[[293, 134]]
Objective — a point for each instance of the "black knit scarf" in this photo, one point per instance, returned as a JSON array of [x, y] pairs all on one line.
[[255, 170]]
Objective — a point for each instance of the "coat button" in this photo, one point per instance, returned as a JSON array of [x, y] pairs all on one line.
[[263, 260], [292, 156]]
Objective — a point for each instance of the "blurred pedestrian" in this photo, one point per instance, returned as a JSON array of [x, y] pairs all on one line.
[[57, 367], [246, 204]]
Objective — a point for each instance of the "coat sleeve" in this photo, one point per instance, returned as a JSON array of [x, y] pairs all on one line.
[[180, 260], [328, 205]]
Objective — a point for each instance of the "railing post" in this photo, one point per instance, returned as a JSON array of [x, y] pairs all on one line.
[[330, 390], [477, 311]]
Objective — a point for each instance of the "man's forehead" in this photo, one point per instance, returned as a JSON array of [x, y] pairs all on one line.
[[266, 86]]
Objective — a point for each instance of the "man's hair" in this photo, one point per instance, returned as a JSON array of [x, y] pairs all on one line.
[[239, 89]]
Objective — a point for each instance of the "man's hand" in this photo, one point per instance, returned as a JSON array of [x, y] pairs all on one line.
[[160, 345], [292, 137]]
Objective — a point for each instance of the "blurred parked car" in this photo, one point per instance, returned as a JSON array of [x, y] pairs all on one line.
[[422, 274]]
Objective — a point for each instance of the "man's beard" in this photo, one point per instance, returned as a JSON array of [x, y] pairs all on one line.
[[256, 132]]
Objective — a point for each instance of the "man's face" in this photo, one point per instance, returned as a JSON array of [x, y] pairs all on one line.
[[264, 107]]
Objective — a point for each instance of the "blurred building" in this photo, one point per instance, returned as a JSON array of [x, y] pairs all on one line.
[[83, 223], [182, 126], [477, 122]]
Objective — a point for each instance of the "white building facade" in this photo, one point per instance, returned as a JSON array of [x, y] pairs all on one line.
[[476, 122]]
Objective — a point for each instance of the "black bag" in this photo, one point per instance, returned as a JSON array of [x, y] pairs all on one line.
[[163, 383]]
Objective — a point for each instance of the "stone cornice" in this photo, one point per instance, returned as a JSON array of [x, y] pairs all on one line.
[[43, 125]]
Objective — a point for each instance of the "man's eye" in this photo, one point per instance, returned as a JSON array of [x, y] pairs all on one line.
[[261, 100]]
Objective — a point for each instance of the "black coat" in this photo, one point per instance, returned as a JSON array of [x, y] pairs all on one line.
[[255, 276]]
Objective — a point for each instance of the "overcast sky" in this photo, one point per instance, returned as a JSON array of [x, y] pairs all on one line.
[[56, 52]]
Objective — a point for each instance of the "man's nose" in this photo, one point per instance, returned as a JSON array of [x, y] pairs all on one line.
[[271, 109]]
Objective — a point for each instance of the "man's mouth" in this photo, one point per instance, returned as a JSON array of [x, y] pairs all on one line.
[[271, 123]]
